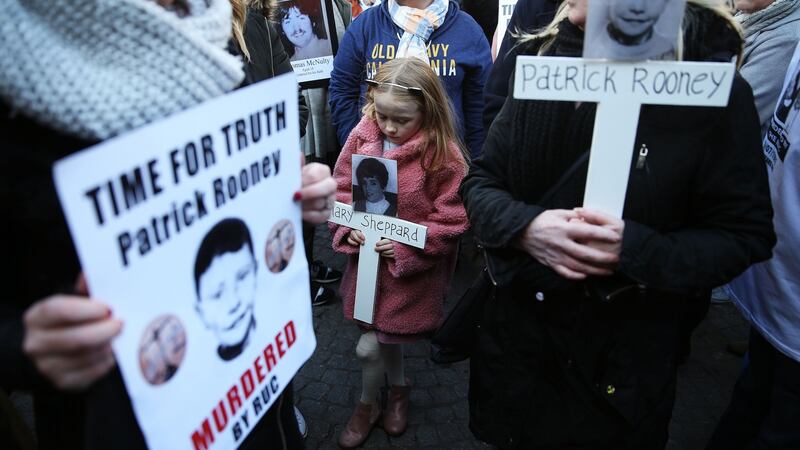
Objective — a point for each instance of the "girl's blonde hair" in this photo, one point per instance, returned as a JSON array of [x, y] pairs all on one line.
[[433, 103], [239, 18], [547, 35]]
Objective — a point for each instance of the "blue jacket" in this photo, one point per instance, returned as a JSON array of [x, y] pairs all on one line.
[[458, 51]]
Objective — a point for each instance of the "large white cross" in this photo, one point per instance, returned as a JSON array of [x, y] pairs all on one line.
[[620, 89], [375, 227]]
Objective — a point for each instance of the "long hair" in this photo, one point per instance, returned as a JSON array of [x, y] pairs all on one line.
[[239, 19], [433, 102], [265, 7], [721, 8]]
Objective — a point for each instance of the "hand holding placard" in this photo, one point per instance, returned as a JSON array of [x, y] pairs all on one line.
[[374, 229]]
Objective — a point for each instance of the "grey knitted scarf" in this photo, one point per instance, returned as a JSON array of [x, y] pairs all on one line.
[[755, 22], [97, 68]]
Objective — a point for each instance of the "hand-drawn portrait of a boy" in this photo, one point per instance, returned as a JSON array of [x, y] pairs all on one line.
[[225, 283]]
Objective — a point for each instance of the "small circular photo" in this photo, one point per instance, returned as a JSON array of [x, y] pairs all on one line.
[[161, 349], [280, 246]]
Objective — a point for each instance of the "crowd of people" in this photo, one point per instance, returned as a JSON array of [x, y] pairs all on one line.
[[588, 316]]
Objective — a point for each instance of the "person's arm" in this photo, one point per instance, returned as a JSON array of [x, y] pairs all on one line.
[[445, 224], [765, 70], [732, 214], [496, 217], [472, 95], [515, 231], [346, 79]]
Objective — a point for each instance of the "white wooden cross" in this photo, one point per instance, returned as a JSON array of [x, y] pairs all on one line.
[[620, 89], [375, 227]]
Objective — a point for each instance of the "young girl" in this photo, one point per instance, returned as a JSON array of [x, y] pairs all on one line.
[[407, 118]]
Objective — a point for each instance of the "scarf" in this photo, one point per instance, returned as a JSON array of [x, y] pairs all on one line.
[[755, 22], [417, 25], [549, 136], [96, 68]]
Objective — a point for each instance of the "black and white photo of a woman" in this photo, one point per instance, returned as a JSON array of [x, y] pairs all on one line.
[[375, 185], [633, 29]]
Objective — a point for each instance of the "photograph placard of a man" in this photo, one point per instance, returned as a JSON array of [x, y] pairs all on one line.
[[633, 30], [225, 283], [161, 349], [304, 29], [280, 246], [375, 185]]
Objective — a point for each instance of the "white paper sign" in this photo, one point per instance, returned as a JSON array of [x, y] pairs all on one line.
[[505, 9], [187, 229], [375, 227], [620, 89], [650, 82]]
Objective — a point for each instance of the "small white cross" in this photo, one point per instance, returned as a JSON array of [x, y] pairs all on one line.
[[620, 89], [375, 227]]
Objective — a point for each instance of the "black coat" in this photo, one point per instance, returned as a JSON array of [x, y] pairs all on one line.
[[529, 15], [41, 261], [592, 364]]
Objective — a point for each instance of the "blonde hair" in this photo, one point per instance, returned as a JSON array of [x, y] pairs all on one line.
[[433, 102], [239, 18], [721, 8]]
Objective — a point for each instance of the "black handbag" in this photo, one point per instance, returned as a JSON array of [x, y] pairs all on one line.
[[455, 339]]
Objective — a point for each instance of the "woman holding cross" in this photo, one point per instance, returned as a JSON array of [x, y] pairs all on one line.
[[578, 348]]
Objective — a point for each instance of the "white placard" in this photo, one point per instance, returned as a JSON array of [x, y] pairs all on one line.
[[187, 229], [375, 227], [620, 89], [648, 82], [505, 9]]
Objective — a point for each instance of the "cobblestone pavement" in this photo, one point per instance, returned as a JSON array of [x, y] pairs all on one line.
[[328, 386]]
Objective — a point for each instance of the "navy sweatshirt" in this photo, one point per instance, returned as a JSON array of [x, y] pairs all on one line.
[[458, 52]]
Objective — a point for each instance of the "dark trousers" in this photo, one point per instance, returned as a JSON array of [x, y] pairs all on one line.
[[764, 412]]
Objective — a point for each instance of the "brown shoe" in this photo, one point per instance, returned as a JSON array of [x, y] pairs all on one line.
[[395, 417], [357, 430]]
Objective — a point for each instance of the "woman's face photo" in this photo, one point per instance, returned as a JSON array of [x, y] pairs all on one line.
[[635, 17], [298, 27], [373, 191]]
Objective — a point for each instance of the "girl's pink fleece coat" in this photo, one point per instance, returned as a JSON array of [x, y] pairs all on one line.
[[412, 286]]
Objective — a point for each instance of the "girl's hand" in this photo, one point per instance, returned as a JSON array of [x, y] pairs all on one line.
[[68, 338], [317, 193], [356, 238], [385, 247], [557, 239]]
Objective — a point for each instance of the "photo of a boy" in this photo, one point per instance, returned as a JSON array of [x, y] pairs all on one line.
[[225, 283]]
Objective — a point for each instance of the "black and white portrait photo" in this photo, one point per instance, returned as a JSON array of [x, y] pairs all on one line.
[[375, 185], [225, 284], [633, 30]]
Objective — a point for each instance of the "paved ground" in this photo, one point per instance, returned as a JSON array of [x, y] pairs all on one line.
[[329, 384]]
